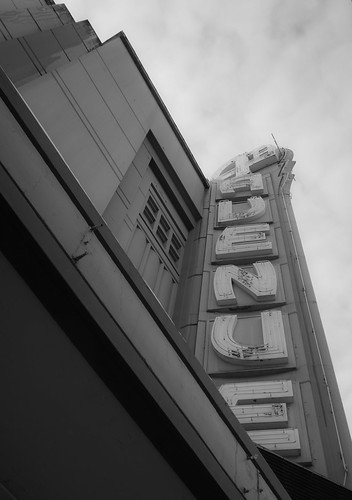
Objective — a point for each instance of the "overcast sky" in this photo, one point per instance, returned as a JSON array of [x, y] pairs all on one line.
[[233, 71]]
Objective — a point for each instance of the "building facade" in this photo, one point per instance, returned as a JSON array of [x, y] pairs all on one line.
[[155, 326]]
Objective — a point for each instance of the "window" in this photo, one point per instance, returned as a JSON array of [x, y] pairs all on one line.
[[149, 215], [175, 242], [164, 224], [164, 228], [173, 254], [161, 235], [175, 247], [152, 204], [157, 246]]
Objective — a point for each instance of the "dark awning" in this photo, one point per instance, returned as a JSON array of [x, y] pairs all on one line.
[[303, 484]]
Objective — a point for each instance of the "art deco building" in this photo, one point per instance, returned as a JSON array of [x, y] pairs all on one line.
[[159, 333]]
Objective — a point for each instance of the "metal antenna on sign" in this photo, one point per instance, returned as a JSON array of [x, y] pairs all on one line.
[[278, 147]]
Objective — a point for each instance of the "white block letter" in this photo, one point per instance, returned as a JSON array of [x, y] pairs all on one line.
[[240, 241], [272, 351], [257, 392], [227, 215], [282, 441], [261, 286], [263, 416], [274, 414], [252, 182]]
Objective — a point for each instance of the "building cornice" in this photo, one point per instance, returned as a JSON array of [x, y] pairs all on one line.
[[121, 35]]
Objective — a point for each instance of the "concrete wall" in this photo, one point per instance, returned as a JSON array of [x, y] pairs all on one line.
[[38, 39], [101, 111]]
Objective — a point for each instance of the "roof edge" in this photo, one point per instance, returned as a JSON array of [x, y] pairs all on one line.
[[121, 35]]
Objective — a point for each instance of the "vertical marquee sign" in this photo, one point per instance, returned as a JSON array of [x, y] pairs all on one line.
[[263, 407]]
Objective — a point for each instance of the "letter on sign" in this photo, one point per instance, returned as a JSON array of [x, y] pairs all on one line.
[[261, 286], [276, 393], [272, 351], [240, 241], [252, 392], [253, 182], [282, 441], [227, 215], [263, 416]]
